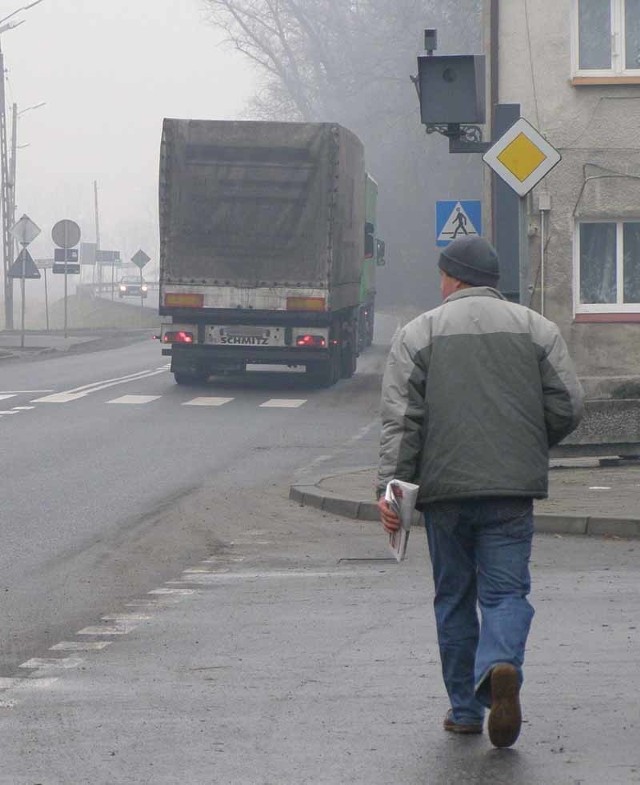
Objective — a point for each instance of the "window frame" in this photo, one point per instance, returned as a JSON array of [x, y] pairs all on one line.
[[618, 307], [617, 71]]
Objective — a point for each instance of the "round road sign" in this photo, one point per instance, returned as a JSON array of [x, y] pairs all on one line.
[[66, 234]]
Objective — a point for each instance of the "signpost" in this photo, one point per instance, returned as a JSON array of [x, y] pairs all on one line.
[[140, 258], [66, 260], [522, 157], [457, 219], [102, 258], [25, 232], [66, 234]]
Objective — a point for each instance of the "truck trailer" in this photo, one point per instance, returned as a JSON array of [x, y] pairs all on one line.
[[263, 227]]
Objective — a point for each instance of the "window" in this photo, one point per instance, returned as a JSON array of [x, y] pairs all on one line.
[[608, 267], [606, 38]]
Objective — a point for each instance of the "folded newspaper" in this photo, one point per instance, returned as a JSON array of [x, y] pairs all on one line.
[[401, 497]]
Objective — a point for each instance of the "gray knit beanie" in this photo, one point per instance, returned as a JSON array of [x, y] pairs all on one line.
[[472, 260]]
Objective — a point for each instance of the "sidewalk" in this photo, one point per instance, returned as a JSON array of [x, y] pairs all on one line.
[[586, 496], [299, 653], [38, 343]]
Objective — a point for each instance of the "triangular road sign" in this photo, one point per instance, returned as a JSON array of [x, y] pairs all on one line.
[[458, 224], [24, 260]]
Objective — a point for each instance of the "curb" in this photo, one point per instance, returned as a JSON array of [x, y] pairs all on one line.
[[311, 495]]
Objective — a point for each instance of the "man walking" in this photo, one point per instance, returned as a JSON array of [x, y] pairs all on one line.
[[474, 394]]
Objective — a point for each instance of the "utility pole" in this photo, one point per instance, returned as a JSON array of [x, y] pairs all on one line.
[[97, 216], [6, 186], [5, 204], [13, 165]]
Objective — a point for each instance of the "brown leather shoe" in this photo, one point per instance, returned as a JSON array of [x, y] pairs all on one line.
[[505, 717], [460, 727]]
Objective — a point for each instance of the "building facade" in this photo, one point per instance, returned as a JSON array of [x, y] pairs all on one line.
[[574, 67]]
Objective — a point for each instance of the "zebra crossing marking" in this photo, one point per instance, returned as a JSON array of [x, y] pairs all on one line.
[[202, 401], [283, 403], [135, 400]]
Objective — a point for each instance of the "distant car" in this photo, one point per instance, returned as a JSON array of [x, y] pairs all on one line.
[[130, 286]]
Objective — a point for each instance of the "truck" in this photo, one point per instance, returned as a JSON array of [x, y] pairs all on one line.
[[263, 239]]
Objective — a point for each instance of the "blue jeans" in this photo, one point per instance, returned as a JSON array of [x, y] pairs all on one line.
[[480, 551]]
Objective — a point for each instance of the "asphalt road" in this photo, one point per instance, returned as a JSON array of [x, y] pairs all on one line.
[[103, 449], [210, 637]]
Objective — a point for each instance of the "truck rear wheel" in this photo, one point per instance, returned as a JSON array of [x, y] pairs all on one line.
[[348, 360], [370, 322], [190, 379], [349, 346], [324, 373]]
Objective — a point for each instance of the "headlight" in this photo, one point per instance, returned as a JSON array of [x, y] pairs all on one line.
[[144, 287]]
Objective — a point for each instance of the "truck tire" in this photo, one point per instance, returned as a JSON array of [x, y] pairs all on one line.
[[325, 373], [190, 379], [370, 322], [348, 360], [349, 348]]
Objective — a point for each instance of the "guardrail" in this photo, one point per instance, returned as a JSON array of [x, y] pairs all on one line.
[[102, 289]]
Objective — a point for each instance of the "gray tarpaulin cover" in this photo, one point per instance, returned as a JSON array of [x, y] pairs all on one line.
[[261, 203]]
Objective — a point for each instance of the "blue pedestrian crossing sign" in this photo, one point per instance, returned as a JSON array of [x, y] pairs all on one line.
[[457, 219]]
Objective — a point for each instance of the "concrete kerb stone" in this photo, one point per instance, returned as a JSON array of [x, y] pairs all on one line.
[[613, 527], [561, 524], [313, 496], [310, 494]]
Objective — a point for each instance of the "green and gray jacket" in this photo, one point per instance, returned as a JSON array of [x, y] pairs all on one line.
[[474, 394]]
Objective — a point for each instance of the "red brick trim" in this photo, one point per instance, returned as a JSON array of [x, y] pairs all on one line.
[[583, 81], [607, 318]]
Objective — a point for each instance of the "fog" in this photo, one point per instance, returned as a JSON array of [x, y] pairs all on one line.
[[110, 71]]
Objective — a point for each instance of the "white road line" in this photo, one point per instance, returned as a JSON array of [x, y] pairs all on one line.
[[59, 398], [105, 383], [135, 400], [24, 392], [80, 646], [40, 683], [207, 402], [125, 618], [180, 592], [87, 389], [223, 577], [23, 408], [6, 396], [108, 629], [283, 403], [154, 605], [50, 663], [9, 411]]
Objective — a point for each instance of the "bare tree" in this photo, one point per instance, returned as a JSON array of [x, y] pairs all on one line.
[[349, 61]]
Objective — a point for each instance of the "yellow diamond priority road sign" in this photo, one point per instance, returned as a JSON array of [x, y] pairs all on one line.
[[522, 157]]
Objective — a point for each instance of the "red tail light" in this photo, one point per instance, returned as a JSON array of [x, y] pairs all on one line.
[[315, 341], [180, 336]]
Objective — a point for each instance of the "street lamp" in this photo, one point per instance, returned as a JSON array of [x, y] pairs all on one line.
[[14, 148], [5, 174], [17, 11]]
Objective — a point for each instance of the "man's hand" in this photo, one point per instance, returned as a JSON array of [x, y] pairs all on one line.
[[390, 521]]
